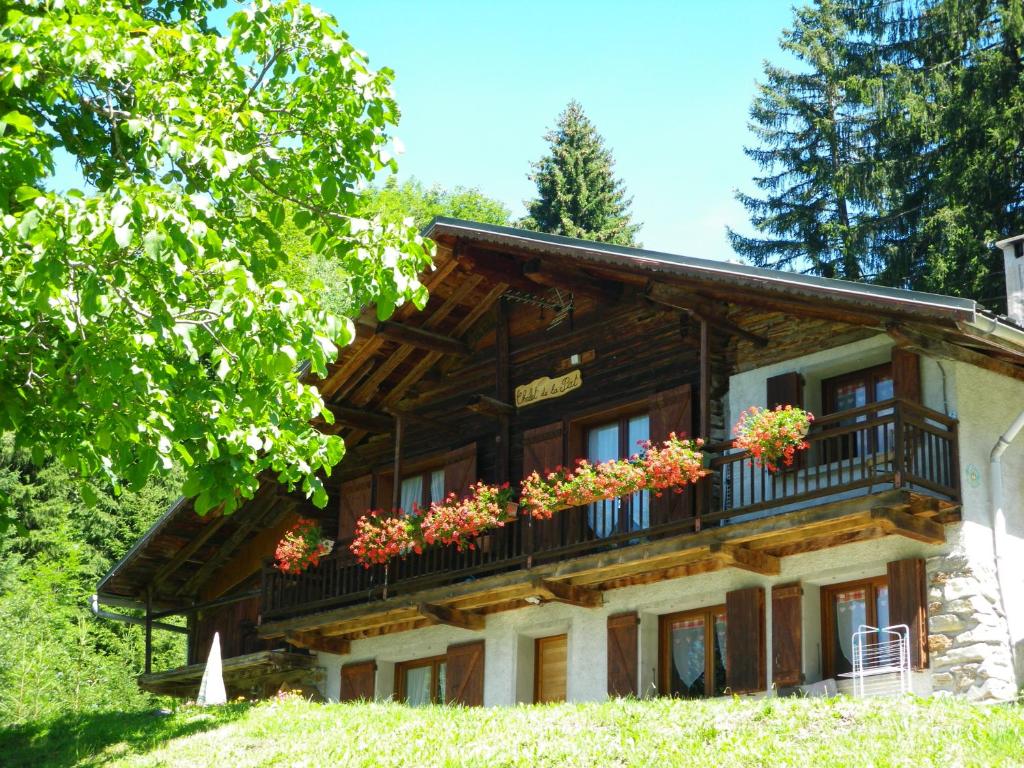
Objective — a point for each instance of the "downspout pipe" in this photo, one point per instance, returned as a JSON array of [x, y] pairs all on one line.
[[999, 518], [94, 606]]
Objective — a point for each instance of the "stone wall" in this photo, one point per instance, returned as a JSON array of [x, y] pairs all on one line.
[[968, 638]]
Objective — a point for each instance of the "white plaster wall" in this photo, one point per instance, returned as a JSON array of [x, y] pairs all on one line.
[[508, 636]]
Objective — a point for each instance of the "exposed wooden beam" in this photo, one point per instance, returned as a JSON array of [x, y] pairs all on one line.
[[746, 559], [576, 280], [188, 550], [929, 345], [490, 406], [420, 338], [361, 418], [314, 641], [572, 594], [909, 526], [453, 617], [706, 310]]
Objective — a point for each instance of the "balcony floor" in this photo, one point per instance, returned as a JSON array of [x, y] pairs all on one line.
[[242, 674], [755, 545]]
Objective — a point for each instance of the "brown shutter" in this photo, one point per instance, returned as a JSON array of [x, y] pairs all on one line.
[[744, 645], [785, 389], [543, 452], [906, 375], [464, 674], [384, 491], [460, 470], [357, 681], [671, 411], [356, 500], [787, 635], [908, 604], [622, 655]]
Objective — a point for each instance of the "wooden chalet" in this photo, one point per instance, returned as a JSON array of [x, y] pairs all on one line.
[[534, 350]]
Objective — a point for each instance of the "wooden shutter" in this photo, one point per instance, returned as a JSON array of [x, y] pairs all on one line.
[[622, 655], [787, 635], [356, 500], [908, 604], [460, 470], [906, 375], [384, 492], [785, 389], [745, 641], [464, 674], [543, 452], [671, 411], [357, 681]]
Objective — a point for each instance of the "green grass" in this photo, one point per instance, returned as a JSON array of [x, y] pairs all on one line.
[[721, 732]]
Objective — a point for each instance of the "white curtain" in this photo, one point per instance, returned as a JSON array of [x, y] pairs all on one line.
[[437, 485], [640, 432], [688, 650], [603, 445], [412, 493], [417, 686], [851, 612]]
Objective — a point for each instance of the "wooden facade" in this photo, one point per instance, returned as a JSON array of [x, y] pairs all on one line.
[[651, 342]]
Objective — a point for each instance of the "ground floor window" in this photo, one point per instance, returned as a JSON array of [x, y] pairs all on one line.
[[844, 608], [692, 653], [421, 682], [550, 662]]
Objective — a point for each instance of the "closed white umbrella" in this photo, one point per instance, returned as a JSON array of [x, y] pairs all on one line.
[[211, 689]]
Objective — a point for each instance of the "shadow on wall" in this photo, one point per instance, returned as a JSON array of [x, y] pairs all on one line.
[[96, 738]]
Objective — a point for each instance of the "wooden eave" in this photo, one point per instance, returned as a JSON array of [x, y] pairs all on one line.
[[756, 546]]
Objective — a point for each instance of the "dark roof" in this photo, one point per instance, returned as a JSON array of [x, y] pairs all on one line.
[[705, 270]]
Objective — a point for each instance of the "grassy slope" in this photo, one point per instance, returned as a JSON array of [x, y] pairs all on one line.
[[722, 732]]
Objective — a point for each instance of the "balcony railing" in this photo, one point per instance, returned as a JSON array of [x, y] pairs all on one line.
[[887, 445]]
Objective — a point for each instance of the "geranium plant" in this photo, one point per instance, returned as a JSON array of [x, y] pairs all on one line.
[[454, 521], [772, 436], [302, 546], [671, 465]]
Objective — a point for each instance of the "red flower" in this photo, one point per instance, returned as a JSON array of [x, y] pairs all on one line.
[[301, 546], [771, 436]]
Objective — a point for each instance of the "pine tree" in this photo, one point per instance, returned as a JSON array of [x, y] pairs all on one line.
[[813, 130], [577, 192]]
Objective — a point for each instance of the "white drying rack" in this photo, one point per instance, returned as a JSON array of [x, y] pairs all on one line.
[[879, 651]]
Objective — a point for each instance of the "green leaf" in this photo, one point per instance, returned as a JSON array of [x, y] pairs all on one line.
[[19, 122]]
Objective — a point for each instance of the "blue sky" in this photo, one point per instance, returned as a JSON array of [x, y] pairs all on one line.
[[668, 84]]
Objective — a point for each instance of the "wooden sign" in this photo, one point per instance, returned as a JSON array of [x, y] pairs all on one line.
[[545, 388]]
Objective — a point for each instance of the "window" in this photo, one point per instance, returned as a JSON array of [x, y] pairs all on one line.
[[692, 653], [844, 608], [550, 661], [616, 440], [421, 682], [856, 390], [421, 489]]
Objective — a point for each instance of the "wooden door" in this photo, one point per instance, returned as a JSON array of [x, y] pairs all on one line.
[[550, 664]]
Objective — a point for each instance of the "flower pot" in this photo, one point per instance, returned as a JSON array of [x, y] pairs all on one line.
[[512, 510], [485, 543]]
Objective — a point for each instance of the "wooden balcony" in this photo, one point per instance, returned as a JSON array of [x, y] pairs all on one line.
[[891, 467]]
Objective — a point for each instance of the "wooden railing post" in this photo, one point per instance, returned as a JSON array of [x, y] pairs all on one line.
[[899, 463]]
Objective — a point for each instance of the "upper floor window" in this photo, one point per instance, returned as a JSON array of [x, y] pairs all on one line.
[[611, 440], [844, 608], [860, 388], [421, 489]]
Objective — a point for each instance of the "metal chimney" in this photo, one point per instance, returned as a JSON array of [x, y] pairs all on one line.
[[1013, 264]]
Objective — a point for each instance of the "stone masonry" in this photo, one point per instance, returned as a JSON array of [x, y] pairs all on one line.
[[968, 639]]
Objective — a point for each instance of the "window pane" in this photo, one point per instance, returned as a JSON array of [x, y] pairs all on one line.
[[640, 503], [882, 606], [442, 670], [417, 686], [852, 395], [412, 493], [686, 665], [850, 608], [719, 660], [883, 389], [603, 445], [437, 485]]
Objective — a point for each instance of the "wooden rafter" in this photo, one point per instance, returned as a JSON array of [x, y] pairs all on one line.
[[572, 594], [746, 559], [490, 406], [708, 311], [193, 546], [929, 345], [314, 641], [361, 418], [419, 338], [453, 617]]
